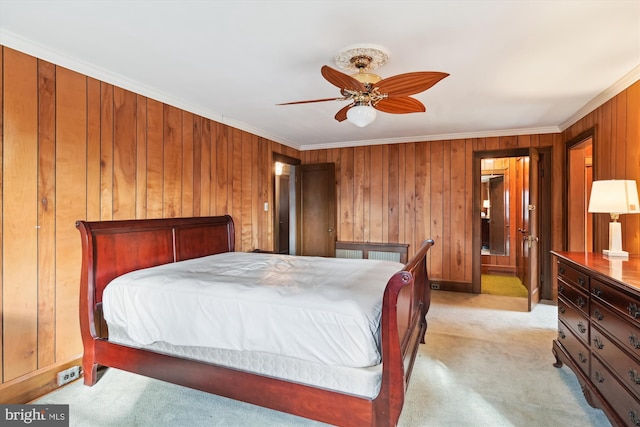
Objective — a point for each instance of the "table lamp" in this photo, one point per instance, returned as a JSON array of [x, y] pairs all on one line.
[[614, 197]]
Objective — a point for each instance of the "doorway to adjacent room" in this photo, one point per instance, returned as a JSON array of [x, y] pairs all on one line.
[[511, 225]]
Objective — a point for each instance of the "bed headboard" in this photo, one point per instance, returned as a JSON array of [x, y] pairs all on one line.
[[112, 248]]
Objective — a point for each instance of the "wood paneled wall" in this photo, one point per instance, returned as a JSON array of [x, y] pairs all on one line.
[[77, 148], [410, 192], [616, 155], [73, 147]]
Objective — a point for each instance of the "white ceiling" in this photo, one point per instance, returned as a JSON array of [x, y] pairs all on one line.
[[516, 67]]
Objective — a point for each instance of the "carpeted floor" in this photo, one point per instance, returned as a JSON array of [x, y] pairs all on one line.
[[498, 284], [486, 363]]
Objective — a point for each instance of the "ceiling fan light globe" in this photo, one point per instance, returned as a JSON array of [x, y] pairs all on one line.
[[361, 115]]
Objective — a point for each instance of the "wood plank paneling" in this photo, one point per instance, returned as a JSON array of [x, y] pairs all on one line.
[[187, 164], [77, 148], [155, 159], [222, 170], [360, 187], [345, 220], [375, 206], [106, 151], [46, 213], [631, 238], [414, 191], [172, 162], [124, 154], [141, 157], [458, 208], [205, 168], [71, 183], [19, 234], [94, 165]]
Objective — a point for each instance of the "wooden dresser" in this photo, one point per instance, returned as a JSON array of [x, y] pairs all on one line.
[[599, 330]]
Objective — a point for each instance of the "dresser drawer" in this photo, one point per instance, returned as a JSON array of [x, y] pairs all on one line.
[[625, 303], [624, 331], [576, 349], [572, 276], [622, 364], [576, 296], [574, 319], [624, 404]]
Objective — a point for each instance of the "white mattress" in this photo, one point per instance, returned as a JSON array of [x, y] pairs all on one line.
[[323, 310], [363, 382]]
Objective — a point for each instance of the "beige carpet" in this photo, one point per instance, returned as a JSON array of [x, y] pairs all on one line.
[[487, 362]]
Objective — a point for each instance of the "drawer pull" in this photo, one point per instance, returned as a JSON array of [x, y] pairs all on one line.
[[561, 289], [597, 292], [561, 270], [599, 377], [599, 344], [582, 328], [597, 314], [561, 309], [581, 302], [581, 281], [582, 358], [634, 418], [633, 375], [562, 335], [634, 341], [634, 311]]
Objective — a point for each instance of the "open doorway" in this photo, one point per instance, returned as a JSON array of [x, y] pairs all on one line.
[[519, 215], [501, 182]]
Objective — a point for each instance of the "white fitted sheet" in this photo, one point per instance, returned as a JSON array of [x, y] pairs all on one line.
[[324, 310]]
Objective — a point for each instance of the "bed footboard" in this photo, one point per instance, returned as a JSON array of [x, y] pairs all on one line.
[[112, 248]]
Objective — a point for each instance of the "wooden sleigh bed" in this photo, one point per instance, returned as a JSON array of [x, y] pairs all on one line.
[[113, 248]]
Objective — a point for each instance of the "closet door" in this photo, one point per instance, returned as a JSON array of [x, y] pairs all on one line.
[[318, 209]]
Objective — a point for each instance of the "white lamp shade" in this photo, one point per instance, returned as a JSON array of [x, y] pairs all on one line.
[[361, 115], [614, 197]]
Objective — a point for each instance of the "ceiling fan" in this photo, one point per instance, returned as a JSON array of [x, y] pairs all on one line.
[[368, 92]]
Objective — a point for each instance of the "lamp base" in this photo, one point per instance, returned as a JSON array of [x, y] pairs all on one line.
[[615, 242], [615, 254]]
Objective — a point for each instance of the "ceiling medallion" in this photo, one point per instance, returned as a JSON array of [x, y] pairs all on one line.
[[362, 58]]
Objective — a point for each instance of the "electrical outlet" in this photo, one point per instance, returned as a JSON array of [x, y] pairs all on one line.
[[435, 286], [68, 375]]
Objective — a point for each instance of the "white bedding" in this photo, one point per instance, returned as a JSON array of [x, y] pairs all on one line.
[[323, 310]]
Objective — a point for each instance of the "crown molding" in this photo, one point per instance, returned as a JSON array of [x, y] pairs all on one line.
[[624, 82], [442, 137]]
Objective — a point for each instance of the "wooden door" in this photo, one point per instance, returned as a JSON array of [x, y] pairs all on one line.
[[318, 209], [529, 236]]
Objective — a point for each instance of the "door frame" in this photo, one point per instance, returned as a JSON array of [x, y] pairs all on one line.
[[570, 145], [545, 216]]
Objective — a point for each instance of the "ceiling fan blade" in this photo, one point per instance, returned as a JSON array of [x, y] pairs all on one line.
[[341, 115], [409, 83], [341, 80], [313, 100], [400, 105]]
